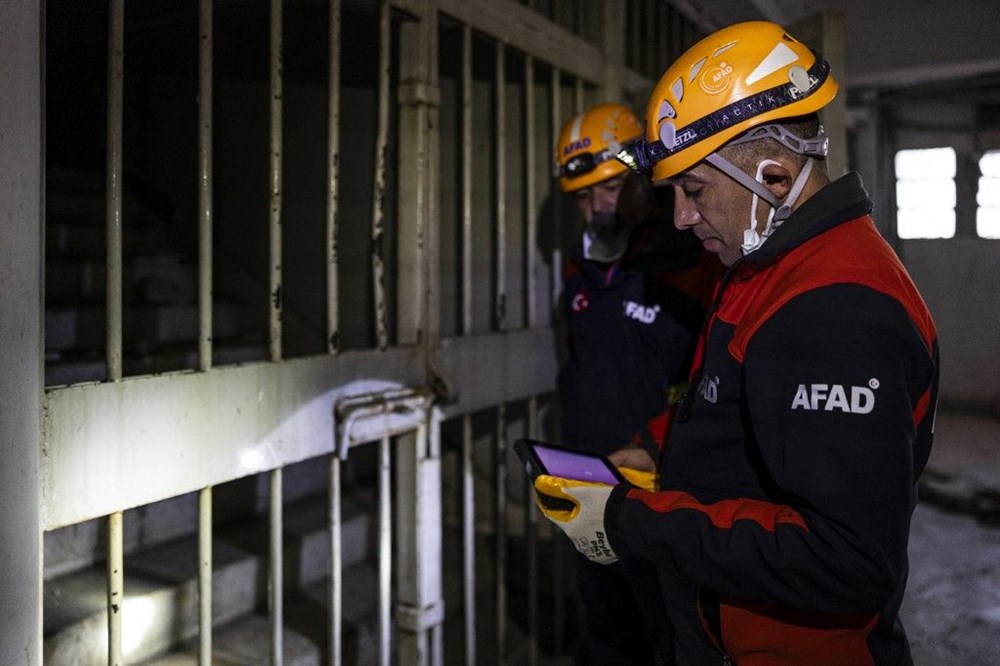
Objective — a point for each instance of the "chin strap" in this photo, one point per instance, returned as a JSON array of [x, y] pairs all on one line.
[[752, 239]]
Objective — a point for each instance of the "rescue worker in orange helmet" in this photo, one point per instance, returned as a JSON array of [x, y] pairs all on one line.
[[635, 289], [779, 527]]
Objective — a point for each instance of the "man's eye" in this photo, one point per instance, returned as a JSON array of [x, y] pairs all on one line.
[[692, 192]]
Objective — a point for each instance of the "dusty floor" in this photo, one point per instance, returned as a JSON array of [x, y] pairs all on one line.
[[952, 606]]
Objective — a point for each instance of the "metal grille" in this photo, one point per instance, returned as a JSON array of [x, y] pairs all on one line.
[[355, 240]]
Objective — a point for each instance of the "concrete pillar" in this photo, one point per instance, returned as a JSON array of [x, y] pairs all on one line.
[[21, 307]]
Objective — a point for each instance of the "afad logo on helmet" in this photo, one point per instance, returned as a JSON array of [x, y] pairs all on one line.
[[574, 146], [716, 78]]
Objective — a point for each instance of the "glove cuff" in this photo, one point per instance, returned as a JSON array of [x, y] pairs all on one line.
[[612, 518]]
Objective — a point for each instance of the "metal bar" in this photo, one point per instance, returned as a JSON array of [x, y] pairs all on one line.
[[578, 103], [469, 540], [336, 589], [205, 577], [332, 184], [275, 170], [501, 188], [116, 70], [466, 179], [557, 199], [433, 434], [380, 193], [530, 196], [500, 462], [531, 537], [116, 587], [276, 592], [527, 31], [205, 185], [384, 552], [649, 53]]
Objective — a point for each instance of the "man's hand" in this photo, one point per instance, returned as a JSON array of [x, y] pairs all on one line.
[[633, 457], [584, 522]]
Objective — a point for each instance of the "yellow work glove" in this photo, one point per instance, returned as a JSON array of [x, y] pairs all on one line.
[[640, 478], [577, 508]]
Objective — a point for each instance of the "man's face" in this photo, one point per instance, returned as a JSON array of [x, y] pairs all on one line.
[[715, 207], [599, 199]]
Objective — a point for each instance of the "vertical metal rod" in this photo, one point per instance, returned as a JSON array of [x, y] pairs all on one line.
[[205, 577], [332, 184], [116, 587], [275, 166], [531, 537], [116, 69], [500, 462], [578, 95], [469, 541], [433, 434], [466, 179], [530, 199], [384, 552], [277, 584], [501, 187], [381, 165], [205, 185], [652, 29], [556, 94], [335, 593]]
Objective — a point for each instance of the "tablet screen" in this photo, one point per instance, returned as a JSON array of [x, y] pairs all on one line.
[[573, 465]]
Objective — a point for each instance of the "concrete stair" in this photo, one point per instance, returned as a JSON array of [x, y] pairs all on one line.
[[160, 612]]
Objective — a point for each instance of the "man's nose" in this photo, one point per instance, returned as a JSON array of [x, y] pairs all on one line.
[[604, 202], [685, 215]]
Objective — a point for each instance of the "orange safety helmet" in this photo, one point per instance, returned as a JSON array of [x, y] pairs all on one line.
[[588, 143], [741, 77]]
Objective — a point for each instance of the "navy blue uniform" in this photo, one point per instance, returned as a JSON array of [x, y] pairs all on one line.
[[789, 476], [632, 328]]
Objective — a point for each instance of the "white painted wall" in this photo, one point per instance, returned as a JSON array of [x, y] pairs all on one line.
[[958, 278]]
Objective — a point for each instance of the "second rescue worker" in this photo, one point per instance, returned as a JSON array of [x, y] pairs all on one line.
[[633, 300]]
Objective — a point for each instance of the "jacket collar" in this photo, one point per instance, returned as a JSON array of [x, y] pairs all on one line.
[[841, 201]]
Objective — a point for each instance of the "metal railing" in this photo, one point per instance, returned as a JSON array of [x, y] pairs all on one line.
[[132, 440]]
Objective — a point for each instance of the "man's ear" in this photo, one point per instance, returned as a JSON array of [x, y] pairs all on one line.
[[777, 179]]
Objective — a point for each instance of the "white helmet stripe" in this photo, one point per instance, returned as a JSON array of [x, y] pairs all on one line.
[[779, 56], [574, 133]]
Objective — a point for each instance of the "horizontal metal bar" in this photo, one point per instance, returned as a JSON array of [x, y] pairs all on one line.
[[484, 370], [530, 32], [112, 446]]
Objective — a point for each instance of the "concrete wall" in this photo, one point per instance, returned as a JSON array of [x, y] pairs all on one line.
[[21, 333], [958, 276]]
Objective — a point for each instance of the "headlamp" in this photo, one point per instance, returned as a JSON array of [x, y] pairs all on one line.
[[640, 155], [583, 163]]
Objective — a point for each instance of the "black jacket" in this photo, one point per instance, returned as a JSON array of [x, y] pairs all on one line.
[[631, 329]]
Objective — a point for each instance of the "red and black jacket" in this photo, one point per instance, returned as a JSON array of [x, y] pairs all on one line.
[[789, 476]]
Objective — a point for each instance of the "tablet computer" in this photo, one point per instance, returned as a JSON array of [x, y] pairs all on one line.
[[545, 458]]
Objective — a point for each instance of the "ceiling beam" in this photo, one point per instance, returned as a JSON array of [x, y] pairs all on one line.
[[904, 77]]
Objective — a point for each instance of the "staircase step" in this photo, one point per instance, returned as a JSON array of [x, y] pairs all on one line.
[[307, 539], [160, 605], [247, 642], [68, 328], [71, 367], [79, 233]]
